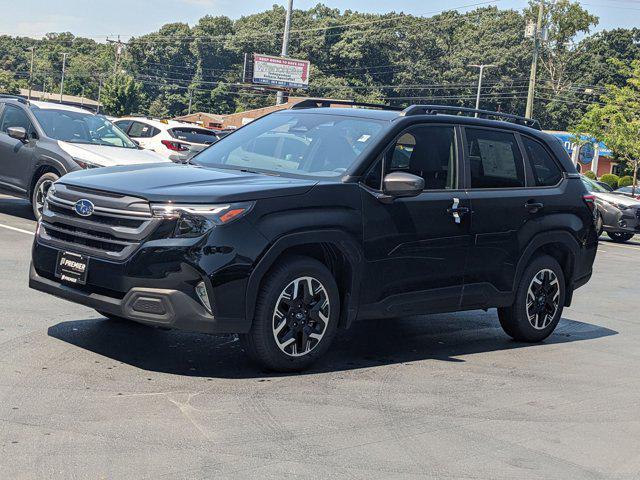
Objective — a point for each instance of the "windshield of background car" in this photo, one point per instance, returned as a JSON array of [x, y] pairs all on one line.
[[77, 127], [312, 144], [592, 186]]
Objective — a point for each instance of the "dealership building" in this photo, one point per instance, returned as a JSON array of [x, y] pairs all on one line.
[[596, 157]]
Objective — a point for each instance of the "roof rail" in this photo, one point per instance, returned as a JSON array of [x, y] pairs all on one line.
[[15, 97], [325, 103], [444, 109]]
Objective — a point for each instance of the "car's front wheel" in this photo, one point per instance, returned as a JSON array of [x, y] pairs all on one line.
[[296, 316], [538, 304], [620, 237], [40, 190]]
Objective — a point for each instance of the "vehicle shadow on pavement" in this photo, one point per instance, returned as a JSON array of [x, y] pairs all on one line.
[[436, 337], [16, 207]]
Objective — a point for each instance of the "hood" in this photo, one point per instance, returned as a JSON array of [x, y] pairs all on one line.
[[187, 183], [110, 156], [617, 198]]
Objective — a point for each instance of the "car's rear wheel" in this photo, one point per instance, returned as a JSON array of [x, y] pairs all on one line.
[[296, 316], [599, 224], [39, 193], [538, 304], [620, 237]]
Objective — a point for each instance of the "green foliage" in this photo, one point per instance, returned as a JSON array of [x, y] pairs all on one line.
[[625, 181], [8, 83], [120, 95], [610, 179], [590, 174]]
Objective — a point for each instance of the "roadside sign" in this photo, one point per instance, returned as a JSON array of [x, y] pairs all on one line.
[[280, 72]]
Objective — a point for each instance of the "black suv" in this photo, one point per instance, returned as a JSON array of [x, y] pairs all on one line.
[[309, 219]]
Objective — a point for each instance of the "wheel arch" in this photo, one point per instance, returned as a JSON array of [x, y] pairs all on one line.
[[560, 245], [38, 172], [336, 249]]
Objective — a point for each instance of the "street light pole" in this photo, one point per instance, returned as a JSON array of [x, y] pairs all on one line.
[[481, 67], [64, 65], [33, 50], [534, 61], [285, 45]]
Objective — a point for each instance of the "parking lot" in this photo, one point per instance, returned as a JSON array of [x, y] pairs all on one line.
[[444, 396]]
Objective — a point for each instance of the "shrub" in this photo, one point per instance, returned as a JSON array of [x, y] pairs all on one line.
[[625, 181], [610, 179], [590, 174]]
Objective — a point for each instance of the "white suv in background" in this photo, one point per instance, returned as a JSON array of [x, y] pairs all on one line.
[[177, 141]]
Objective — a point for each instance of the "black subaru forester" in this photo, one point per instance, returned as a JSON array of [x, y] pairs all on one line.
[[309, 219]]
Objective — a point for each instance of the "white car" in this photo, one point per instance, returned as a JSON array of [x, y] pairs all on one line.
[[177, 141]]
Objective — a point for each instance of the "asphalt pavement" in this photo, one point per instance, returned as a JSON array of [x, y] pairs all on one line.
[[442, 396]]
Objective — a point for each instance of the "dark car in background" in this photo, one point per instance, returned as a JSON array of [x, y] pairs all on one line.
[[311, 220]]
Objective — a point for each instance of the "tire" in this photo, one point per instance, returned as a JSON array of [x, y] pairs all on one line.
[[620, 237], [599, 224], [286, 315], [40, 190], [544, 279]]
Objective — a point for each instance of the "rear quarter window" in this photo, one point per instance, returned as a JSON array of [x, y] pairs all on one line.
[[546, 171]]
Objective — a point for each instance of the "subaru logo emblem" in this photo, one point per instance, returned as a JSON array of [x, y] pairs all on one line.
[[84, 208]]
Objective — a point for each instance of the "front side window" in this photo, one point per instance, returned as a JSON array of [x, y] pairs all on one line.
[[15, 117], [123, 124], [545, 170], [428, 152], [79, 127], [310, 144], [494, 159], [141, 130]]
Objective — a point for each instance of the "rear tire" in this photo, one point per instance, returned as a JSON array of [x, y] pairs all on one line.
[[296, 316], [620, 237], [599, 224], [538, 304], [40, 190]]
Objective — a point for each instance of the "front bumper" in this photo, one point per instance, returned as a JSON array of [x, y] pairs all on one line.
[[151, 306]]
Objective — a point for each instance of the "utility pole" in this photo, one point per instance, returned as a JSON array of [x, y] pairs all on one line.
[[118, 46], [99, 92], [64, 65], [481, 67], [33, 50], [190, 99], [285, 45], [537, 41]]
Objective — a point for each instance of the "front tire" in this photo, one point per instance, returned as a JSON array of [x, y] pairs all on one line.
[[296, 316], [538, 304], [620, 237], [39, 193]]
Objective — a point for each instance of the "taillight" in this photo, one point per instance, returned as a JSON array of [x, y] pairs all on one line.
[[175, 146], [590, 200]]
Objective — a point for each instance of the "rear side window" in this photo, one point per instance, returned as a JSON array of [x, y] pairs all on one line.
[[545, 170], [194, 135], [494, 158]]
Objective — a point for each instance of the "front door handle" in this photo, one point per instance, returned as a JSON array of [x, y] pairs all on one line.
[[456, 211], [534, 207]]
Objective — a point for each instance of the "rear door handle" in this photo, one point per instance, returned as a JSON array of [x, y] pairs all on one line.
[[534, 207]]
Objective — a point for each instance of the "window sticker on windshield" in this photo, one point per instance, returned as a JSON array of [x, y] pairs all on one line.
[[364, 138]]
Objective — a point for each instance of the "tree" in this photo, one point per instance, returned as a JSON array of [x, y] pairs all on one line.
[[8, 83], [616, 121], [120, 95]]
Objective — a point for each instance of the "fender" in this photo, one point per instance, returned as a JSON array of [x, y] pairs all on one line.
[[46, 161], [541, 239], [339, 239]]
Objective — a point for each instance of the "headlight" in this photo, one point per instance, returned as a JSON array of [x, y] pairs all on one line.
[[85, 164], [196, 220]]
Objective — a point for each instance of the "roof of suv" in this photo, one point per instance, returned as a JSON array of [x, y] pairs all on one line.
[[45, 105]]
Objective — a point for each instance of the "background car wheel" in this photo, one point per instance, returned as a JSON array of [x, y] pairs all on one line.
[[620, 237], [39, 193], [296, 316], [539, 302], [599, 224]]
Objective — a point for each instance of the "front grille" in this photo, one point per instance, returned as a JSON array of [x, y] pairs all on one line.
[[115, 230]]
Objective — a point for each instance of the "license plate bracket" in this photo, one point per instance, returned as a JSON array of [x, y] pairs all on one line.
[[72, 267]]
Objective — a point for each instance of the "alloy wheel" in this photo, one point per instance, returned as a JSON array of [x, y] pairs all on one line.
[[41, 194], [301, 316], [543, 299]]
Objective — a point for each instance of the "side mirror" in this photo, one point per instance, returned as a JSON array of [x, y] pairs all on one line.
[[19, 133], [402, 184]]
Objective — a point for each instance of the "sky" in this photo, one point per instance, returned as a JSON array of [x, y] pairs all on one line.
[[99, 18]]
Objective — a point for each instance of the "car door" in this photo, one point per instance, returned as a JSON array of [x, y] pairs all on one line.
[[16, 156], [416, 248], [504, 199]]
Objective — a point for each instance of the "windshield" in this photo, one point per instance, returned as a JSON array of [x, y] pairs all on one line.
[[312, 144], [77, 127], [592, 186]]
